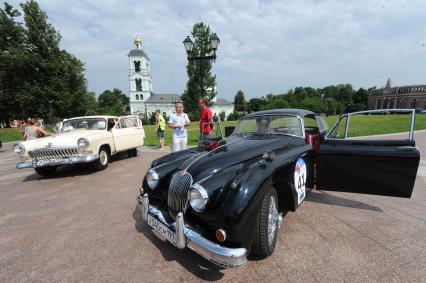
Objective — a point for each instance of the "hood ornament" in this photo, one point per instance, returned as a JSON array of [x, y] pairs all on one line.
[[182, 173], [49, 144]]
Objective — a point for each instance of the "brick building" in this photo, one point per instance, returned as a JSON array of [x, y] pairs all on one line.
[[389, 97]]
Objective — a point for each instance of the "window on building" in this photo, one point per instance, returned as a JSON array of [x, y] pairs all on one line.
[[414, 103], [392, 103], [137, 96], [137, 66], [386, 104], [141, 96], [138, 84], [378, 104]]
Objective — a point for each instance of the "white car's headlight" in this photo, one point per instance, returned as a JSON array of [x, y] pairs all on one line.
[[198, 197], [152, 179], [18, 148], [83, 143]]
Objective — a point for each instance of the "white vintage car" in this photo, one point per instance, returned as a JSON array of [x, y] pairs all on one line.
[[82, 140]]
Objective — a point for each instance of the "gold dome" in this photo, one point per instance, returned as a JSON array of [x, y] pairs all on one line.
[[138, 41]]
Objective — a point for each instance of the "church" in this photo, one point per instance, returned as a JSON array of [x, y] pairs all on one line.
[[142, 98]]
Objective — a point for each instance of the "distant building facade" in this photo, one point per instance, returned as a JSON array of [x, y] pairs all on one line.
[[142, 98], [389, 97]]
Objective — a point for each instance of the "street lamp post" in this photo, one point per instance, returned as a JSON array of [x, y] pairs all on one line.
[[189, 45]]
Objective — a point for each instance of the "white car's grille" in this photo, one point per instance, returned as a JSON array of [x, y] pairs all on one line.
[[46, 153]]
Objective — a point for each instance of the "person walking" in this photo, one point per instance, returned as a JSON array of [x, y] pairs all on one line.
[[22, 125], [161, 126], [32, 131], [205, 122], [178, 122]]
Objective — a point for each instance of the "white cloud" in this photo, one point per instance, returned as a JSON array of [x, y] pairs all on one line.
[[266, 46]]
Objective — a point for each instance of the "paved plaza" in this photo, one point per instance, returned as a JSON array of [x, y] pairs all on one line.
[[82, 225]]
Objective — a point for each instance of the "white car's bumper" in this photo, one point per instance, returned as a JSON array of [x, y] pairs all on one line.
[[57, 161]]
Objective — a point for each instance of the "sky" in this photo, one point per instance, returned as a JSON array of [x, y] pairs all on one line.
[[265, 46]]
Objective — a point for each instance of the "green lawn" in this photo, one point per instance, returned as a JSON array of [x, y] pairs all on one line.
[[9, 134], [359, 126], [193, 134]]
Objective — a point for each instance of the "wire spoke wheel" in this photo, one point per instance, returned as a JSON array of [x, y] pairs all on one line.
[[273, 219]]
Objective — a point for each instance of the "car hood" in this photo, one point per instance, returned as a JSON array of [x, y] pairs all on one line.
[[66, 139], [236, 150]]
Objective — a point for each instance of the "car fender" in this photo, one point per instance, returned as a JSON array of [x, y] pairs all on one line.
[[240, 209]]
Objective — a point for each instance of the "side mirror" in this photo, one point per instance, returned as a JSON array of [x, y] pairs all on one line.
[[229, 130]]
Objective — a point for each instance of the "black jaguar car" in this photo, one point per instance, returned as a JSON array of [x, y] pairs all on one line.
[[227, 199]]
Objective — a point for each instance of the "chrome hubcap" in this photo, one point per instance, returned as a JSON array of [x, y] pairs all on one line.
[[103, 157], [274, 219]]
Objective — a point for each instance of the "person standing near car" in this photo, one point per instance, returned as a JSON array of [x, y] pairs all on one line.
[[205, 122], [178, 122], [161, 126], [22, 125], [32, 131]]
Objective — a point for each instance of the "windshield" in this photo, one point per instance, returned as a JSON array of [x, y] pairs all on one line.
[[270, 125], [84, 123]]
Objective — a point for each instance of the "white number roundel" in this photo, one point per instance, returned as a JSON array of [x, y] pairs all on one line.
[[300, 179]]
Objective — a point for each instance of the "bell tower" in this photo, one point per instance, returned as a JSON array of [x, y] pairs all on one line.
[[140, 79]]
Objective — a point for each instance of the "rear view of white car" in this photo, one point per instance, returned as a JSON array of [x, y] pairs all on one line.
[[90, 139]]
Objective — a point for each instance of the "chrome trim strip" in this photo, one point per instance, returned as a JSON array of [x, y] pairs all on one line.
[[65, 161], [186, 237]]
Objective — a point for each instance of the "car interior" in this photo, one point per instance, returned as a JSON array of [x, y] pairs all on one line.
[[312, 134]]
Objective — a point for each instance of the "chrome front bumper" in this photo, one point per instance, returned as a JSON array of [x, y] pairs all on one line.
[[186, 237], [55, 162]]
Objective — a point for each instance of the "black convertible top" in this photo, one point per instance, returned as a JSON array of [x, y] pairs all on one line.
[[297, 112]]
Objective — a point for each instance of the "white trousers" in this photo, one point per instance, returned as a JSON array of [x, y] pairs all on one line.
[[179, 143]]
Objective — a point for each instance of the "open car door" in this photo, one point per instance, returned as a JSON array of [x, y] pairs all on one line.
[[380, 165], [128, 133]]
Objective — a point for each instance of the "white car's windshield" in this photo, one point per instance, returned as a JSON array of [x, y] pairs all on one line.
[[270, 125], [84, 123]]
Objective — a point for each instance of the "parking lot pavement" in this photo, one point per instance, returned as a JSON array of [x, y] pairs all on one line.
[[82, 225]]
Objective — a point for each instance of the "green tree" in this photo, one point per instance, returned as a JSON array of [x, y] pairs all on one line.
[[40, 78], [199, 70], [315, 104], [12, 63], [112, 102], [240, 101], [255, 104]]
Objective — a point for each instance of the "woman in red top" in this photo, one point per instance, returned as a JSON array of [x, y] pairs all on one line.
[[205, 120]]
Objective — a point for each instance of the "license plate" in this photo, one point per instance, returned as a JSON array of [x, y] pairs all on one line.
[[51, 161], [162, 229]]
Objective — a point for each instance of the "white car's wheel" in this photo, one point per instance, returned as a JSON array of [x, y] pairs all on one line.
[[102, 162]]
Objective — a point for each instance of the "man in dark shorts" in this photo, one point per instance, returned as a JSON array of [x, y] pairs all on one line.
[[205, 121], [161, 126]]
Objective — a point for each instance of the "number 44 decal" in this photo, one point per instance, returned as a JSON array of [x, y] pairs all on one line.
[[300, 179]]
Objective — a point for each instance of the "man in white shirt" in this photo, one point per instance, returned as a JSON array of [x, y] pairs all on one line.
[[178, 122]]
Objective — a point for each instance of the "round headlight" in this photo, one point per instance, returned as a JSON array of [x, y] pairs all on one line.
[[152, 179], [18, 148], [198, 198], [82, 143]]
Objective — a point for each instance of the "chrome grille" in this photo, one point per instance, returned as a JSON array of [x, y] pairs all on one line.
[[46, 153], [178, 192]]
